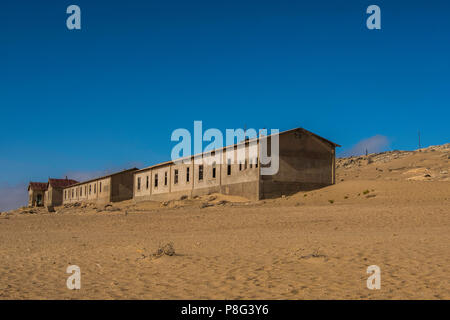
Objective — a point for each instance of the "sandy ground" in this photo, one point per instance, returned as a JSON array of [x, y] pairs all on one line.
[[311, 245]]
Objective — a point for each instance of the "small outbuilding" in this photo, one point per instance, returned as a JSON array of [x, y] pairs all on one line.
[[36, 192]]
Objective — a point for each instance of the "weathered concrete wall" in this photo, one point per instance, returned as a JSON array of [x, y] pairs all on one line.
[[242, 180], [306, 163], [53, 197], [93, 191], [112, 188], [121, 187]]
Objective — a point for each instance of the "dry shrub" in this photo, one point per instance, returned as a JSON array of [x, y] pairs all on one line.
[[165, 249]]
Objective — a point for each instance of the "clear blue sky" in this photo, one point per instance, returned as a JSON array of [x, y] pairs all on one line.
[[109, 96]]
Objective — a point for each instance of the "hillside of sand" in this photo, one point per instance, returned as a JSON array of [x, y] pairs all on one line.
[[390, 209]]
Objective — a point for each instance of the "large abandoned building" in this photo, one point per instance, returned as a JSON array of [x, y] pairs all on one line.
[[109, 188], [306, 162]]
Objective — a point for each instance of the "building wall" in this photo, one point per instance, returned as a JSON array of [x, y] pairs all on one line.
[[53, 197], [33, 197], [242, 182], [93, 191], [121, 187], [306, 163], [117, 187]]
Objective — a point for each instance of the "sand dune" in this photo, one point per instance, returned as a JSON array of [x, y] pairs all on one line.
[[390, 209]]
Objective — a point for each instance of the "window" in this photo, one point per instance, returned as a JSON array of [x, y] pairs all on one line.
[[256, 163], [240, 166], [146, 183], [85, 190], [229, 167], [175, 176], [72, 193], [76, 192], [81, 191], [165, 178], [214, 170], [65, 194], [156, 180], [187, 174], [90, 188], [100, 187], [139, 183], [251, 165], [95, 188], [245, 164], [200, 172]]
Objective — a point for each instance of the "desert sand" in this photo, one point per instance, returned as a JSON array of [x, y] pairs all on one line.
[[390, 209]]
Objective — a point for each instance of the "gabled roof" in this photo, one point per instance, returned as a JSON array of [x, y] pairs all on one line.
[[240, 143], [37, 186], [60, 183], [103, 177]]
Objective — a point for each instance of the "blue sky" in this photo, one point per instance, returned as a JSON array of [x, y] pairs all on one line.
[[108, 96]]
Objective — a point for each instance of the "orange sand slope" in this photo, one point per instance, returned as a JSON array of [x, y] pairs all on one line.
[[390, 209]]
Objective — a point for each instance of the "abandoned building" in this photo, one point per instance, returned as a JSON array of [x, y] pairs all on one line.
[[47, 193], [109, 188], [54, 192], [36, 192], [306, 162]]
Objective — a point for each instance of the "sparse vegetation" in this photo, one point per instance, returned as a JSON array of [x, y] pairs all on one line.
[[366, 192], [331, 201], [165, 249]]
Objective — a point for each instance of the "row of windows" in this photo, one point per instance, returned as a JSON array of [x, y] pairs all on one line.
[[200, 173], [79, 190]]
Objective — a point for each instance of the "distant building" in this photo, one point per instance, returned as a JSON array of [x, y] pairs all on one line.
[[54, 192], [110, 188], [36, 192], [306, 162]]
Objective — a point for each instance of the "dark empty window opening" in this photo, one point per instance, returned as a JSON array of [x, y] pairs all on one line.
[[175, 176], [256, 163], [90, 189], [245, 164], [240, 166], [187, 174], [165, 178], [100, 190], [139, 183], [95, 188], [229, 167], [146, 183], [214, 170], [200, 172], [156, 180]]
